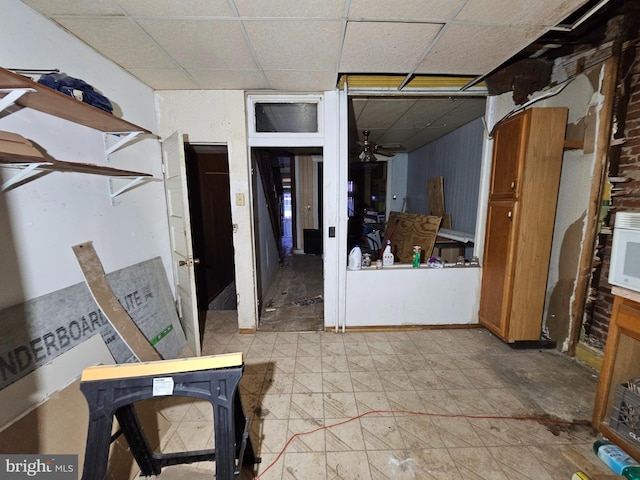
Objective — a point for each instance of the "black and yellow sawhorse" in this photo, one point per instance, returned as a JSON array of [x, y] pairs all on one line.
[[113, 390]]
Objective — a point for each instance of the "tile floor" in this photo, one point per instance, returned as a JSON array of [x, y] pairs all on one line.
[[423, 404]]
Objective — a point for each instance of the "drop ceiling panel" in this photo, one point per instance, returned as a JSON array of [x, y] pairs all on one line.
[[202, 43], [77, 7], [120, 40], [165, 79], [517, 12], [333, 9], [172, 8], [473, 57], [433, 10], [309, 45], [229, 79], [385, 47], [300, 81]]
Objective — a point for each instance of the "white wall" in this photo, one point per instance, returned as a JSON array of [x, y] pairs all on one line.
[[402, 295], [218, 117], [42, 219]]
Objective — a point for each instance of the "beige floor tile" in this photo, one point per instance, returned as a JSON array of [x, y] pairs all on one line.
[[308, 363], [269, 436], [418, 432], [306, 434], [348, 465], [307, 405], [307, 466], [366, 381], [335, 382], [477, 464], [344, 434], [307, 382], [361, 363], [339, 405], [356, 348], [335, 363], [372, 401], [295, 383], [457, 432], [408, 400], [381, 433], [424, 379], [519, 462]]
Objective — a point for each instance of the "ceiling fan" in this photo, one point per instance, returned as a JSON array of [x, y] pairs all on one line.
[[370, 149]]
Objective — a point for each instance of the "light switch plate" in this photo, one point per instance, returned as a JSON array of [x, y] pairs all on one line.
[[240, 199]]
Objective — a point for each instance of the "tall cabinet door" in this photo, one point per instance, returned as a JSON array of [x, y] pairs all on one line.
[[509, 146], [498, 267]]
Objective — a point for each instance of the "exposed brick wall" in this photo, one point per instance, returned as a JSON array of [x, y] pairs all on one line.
[[628, 165]]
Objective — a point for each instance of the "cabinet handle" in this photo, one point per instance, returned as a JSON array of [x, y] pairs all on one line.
[[513, 185], [510, 215]]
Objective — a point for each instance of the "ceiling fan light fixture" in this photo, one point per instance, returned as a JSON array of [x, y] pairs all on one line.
[[367, 156]]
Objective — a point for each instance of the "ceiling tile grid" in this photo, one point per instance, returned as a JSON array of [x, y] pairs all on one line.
[[168, 41], [307, 45]]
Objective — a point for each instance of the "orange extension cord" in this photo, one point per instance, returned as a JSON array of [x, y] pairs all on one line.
[[408, 412]]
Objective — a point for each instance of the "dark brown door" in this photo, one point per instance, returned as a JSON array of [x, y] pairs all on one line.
[[208, 176]]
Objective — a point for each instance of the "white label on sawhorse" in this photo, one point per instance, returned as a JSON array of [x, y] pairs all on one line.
[[162, 386]]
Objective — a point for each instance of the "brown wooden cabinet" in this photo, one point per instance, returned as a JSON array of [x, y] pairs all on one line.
[[620, 364], [527, 160]]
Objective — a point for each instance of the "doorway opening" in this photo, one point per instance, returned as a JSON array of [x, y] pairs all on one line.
[[211, 227], [287, 201]]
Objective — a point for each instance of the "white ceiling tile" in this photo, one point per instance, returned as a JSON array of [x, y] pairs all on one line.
[[173, 8], [202, 43], [301, 81], [76, 7], [299, 45], [230, 79], [291, 8], [120, 40], [433, 10], [385, 47], [518, 12], [475, 49], [165, 79]]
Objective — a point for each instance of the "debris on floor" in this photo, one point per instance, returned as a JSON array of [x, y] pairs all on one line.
[[309, 301]]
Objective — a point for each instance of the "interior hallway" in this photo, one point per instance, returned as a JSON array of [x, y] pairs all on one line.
[[294, 302], [419, 404]]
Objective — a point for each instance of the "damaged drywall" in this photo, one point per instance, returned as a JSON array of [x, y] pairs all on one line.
[[558, 310]]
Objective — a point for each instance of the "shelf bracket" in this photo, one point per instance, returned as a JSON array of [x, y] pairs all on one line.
[[25, 170], [128, 138], [131, 184], [12, 96]]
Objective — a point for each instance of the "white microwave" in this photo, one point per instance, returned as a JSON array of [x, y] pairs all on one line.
[[624, 270]]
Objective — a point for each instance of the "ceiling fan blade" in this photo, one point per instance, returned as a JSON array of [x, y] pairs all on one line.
[[384, 153], [392, 147]]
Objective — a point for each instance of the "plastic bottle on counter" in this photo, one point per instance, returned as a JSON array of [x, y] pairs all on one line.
[[387, 255], [617, 459], [355, 258]]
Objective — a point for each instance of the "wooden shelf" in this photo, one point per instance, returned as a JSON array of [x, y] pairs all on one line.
[[47, 100], [620, 363]]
